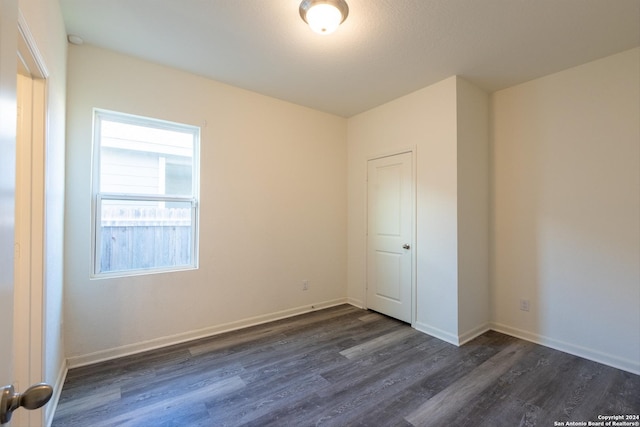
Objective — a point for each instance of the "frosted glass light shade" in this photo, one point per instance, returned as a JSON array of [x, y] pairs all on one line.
[[324, 16]]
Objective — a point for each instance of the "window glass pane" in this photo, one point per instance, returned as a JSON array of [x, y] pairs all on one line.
[[146, 194], [177, 178], [134, 159], [140, 235]]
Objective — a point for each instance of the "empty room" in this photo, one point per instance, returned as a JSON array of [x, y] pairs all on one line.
[[232, 212]]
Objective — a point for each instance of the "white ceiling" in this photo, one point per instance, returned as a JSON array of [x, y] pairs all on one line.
[[385, 48]]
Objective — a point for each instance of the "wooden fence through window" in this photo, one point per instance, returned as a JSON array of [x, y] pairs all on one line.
[[134, 238]]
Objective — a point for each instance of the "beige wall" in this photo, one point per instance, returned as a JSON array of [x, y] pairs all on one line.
[[566, 210], [561, 208], [473, 209], [429, 121], [424, 121], [273, 203]]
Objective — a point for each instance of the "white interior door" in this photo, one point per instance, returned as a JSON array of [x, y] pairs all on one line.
[[23, 342], [21, 308], [390, 235], [7, 188]]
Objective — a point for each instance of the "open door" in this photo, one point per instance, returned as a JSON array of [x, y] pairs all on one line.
[[22, 286], [7, 187]]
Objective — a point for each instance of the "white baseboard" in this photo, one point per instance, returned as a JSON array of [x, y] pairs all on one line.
[[55, 398], [100, 356], [437, 333], [456, 340], [355, 302], [473, 333], [632, 366], [126, 350]]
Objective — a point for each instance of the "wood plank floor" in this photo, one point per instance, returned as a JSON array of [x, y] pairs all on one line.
[[345, 367]]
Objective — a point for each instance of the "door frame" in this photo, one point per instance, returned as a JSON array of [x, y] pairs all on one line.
[[30, 264], [413, 150]]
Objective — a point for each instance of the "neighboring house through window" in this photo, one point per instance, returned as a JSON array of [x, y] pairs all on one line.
[[145, 186]]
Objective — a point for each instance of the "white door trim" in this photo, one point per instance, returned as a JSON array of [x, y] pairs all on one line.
[[28, 51], [30, 222], [413, 150]]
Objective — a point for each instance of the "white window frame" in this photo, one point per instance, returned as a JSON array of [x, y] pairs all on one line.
[[98, 196]]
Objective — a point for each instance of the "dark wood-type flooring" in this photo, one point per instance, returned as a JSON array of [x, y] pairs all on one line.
[[345, 367]]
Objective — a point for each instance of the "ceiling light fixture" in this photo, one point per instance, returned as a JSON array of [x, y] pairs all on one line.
[[324, 16]]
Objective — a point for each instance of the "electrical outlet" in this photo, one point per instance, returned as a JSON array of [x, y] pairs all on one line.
[[305, 285], [524, 304]]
